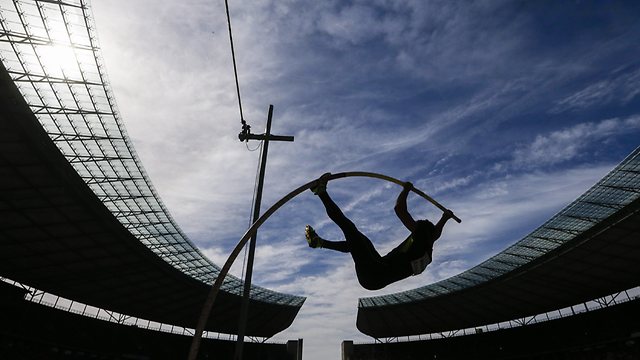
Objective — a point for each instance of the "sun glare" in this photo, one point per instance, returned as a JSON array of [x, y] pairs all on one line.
[[58, 60]]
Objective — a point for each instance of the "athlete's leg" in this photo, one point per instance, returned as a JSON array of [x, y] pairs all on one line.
[[368, 261], [316, 241], [335, 214], [369, 266], [333, 211], [361, 248], [341, 246]]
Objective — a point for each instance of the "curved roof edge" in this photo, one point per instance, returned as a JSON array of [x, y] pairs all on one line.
[[57, 236], [73, 102]]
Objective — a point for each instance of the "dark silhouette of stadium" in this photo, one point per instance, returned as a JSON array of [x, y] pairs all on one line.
[[94, 267]]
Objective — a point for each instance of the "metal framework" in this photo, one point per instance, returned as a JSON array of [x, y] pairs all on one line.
[[613, 192], [50, 50], [604, 302], [46, 299]]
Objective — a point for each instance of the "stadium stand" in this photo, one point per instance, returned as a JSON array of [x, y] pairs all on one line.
[[605, 334], [79, 217], [59, 334]]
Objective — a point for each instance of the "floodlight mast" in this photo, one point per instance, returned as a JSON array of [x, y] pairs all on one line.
[[246, 135]]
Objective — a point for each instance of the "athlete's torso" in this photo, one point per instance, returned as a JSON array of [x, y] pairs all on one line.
[[413, 255]]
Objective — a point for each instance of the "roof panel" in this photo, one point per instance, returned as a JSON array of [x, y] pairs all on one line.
[[73, 103]]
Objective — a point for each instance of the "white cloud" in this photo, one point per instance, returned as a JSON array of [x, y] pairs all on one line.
[[287, 264], [353, 24], [454, 183], [622, 88], [598, 93], [569, 143]]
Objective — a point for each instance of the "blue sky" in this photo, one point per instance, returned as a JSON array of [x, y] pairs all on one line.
[[504, 111]]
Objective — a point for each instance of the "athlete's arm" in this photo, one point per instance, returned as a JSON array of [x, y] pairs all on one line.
[[448, 214], [401, 208]]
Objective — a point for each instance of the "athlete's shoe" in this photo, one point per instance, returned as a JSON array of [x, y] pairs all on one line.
[[321, 184], [312, 238]]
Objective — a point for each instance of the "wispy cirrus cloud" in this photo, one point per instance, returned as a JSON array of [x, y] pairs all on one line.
[[623, 87], [569, 143]]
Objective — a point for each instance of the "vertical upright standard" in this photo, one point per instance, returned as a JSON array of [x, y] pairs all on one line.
[[246, 135]]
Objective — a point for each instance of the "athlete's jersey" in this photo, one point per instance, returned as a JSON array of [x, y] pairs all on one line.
[[418, 265], [415, 251]]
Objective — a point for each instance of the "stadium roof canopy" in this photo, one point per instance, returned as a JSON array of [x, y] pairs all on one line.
[[79, 217], [588, 250]]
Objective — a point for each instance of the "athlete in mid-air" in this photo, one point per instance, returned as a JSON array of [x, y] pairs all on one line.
[[374, 271]]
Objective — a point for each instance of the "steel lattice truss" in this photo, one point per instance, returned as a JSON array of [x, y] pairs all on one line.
[[50, 49], [613, 192]]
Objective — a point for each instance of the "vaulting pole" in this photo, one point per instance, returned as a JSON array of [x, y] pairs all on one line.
[[215, 288]]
